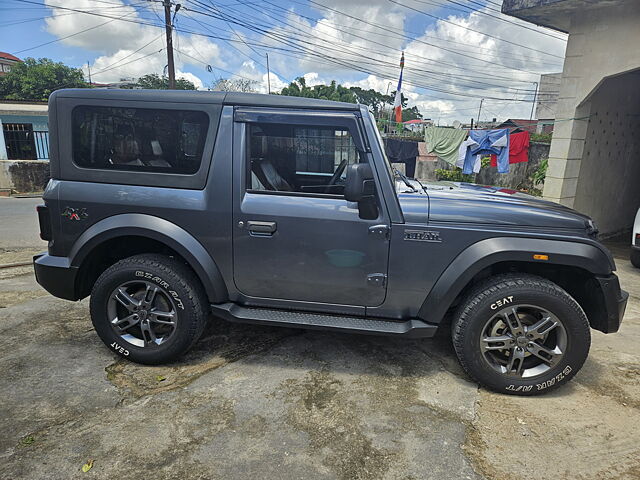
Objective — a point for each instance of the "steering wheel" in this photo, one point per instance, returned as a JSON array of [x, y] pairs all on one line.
[[336, 175]]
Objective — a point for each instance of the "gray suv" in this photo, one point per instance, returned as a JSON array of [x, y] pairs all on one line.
[[167, 206]]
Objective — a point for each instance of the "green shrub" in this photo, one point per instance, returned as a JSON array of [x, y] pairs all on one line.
[[453, 175], [541, 137], [541, 172]]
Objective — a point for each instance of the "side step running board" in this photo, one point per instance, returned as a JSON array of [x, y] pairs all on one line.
[[285, 318]]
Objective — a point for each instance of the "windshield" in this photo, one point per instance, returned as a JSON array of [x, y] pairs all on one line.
[[381, 143]]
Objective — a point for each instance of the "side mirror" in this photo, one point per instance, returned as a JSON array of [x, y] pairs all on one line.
[[360, 187]]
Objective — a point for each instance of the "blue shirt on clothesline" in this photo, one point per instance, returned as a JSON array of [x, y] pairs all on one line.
[[487, 142]]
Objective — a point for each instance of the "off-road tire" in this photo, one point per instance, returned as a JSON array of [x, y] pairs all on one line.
[[476, 309], [635, 258], [173, 278]]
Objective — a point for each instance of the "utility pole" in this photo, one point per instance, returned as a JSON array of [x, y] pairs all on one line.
[[268, 75], [479, 110], [169, 30], [535, 95], [89, 68]]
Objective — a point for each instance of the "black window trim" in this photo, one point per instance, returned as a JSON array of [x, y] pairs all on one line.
[[65, 168], [304, 118], [133, 170]]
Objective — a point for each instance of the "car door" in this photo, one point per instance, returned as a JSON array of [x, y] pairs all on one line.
[[295, 237]]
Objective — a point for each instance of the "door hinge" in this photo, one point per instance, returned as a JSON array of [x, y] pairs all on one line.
[[377, 279], [381, 231]]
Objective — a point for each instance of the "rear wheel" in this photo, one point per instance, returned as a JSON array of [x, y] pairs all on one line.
[[521, 334], [148, 308], [635, 257]]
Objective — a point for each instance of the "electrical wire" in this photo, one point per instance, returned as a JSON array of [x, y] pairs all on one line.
[[470, 29]]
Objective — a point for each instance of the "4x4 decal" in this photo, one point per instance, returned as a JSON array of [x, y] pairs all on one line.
[[75, 213]]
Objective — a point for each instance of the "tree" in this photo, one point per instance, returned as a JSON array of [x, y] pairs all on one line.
[[411, 114], [36, 79], [234, 85], [372, 98], [299, 88], [154, 81]]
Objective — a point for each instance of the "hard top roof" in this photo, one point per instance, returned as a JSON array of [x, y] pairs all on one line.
[[192, 96]]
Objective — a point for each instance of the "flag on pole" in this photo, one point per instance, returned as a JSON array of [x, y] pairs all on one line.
[[397, 103]]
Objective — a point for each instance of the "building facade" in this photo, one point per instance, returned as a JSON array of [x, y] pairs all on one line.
[[594, 162], [6, 62]]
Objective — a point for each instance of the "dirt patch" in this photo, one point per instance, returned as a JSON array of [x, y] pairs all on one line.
[[573, 433], [321, 410], [9, 299], [222, 343], [17, 255]]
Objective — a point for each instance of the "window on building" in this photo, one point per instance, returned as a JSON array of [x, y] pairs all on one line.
[[139, 139], [289, 158]]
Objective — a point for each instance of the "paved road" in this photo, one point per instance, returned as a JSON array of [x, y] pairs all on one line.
[[19, 223]]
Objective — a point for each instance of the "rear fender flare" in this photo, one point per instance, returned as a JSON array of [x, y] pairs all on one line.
[[164, 231], [491, 251]]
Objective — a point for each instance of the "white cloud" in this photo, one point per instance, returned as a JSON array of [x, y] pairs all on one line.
[[119, 39], [448, 68]]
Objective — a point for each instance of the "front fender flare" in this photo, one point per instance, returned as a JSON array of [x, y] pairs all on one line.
[[164, 231], [488, 252]]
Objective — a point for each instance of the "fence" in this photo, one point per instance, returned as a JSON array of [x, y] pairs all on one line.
[[24, 143]]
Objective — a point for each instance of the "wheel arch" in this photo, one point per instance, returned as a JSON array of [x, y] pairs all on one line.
[[573, 266], [121, 236]]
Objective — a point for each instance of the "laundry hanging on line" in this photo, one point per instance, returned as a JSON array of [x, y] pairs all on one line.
[[487, 142], [519, 143], [401, 151], [462, 155], [444, 142]]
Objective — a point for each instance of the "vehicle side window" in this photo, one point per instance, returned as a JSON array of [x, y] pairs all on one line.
[[305, 159], [139, 139]]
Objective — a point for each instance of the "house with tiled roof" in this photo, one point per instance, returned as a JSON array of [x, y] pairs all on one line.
[[7, 61]]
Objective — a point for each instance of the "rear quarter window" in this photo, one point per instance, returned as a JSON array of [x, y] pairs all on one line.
[[138, 139]]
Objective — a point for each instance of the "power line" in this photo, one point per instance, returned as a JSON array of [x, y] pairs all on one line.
[[470, 29], [127, 63], [253, 27], [297, 49], [495, 17], [72, 35], [113, 65], [331, 46]]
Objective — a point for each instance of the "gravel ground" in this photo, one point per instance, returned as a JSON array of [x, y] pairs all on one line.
[[258, 402]]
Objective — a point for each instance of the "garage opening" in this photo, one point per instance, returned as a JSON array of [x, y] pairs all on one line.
[[608, 186]]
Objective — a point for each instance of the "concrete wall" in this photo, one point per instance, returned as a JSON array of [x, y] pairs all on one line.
[[609, 183], [602, 43], [24, 176], [519, 176]]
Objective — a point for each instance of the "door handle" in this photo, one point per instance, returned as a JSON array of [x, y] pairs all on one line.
[[261, 228]]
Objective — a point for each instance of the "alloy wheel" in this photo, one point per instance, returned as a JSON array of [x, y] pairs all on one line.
[[523, 341], [142, 313]]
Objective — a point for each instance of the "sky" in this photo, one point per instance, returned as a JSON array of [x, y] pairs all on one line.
[[457, 52]]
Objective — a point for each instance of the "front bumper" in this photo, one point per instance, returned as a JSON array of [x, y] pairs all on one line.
[[615, 303], [56, 275]]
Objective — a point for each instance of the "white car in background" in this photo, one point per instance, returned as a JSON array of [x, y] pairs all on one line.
[[635, 242]]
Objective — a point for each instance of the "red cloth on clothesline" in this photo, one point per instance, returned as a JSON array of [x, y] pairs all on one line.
[[518, 148]]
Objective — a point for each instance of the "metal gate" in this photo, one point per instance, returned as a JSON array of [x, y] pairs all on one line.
[[25, 143]]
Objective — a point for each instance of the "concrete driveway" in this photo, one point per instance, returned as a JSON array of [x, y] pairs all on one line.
[[256, 402]]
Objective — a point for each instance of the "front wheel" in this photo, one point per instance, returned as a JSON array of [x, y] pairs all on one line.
[[521, 335], [148, 308]]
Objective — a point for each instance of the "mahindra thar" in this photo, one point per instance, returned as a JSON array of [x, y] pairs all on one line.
[[168, 207]]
